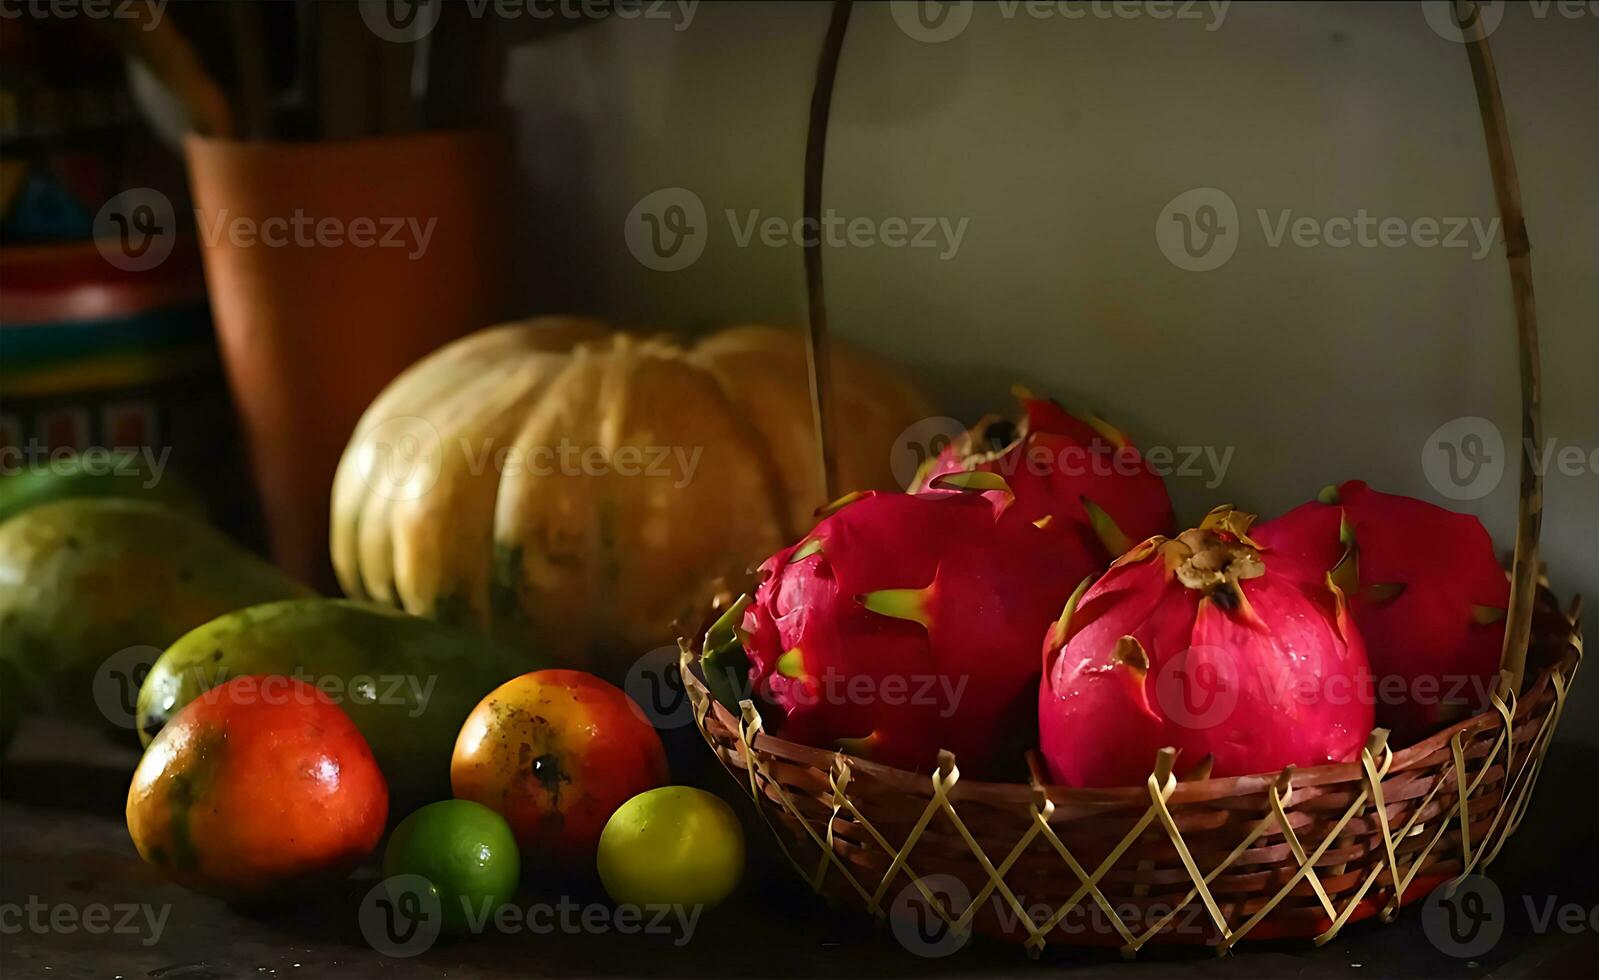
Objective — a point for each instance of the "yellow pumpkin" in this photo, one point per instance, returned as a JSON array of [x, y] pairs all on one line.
[[580, 490]]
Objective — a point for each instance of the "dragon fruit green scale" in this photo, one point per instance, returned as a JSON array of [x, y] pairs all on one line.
[[904, 624]]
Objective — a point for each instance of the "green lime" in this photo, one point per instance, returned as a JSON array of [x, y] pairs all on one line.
[[675, 845], [467, 852]]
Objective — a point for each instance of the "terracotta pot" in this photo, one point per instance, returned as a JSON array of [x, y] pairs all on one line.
[[332, 267]]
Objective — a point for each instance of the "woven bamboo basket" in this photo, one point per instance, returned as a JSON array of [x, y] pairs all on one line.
[[1298, 853]]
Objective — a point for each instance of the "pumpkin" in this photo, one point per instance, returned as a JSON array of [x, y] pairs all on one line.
[[578, 490]]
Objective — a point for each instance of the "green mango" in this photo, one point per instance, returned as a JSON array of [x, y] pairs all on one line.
[[111, 474], [92, 589], [408, 683]]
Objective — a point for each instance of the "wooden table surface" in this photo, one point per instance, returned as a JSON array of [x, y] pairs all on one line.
[[75, 901]]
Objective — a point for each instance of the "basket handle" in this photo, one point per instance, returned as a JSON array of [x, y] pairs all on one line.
[[1507, 191], [1518, 252], [817, 346]]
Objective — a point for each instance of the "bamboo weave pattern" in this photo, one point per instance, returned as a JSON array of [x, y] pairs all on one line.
[[1299, 853]]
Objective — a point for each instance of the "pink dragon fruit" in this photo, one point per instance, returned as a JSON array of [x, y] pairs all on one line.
[[1084, 479], [904, 624], [1424, 588], [1200, 643]]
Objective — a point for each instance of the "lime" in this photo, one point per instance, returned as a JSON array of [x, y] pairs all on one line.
[[466, 851], [675, 845]]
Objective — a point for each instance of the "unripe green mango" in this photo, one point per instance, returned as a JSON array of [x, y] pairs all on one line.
[[86, 580], [407, 683], [103, 474]]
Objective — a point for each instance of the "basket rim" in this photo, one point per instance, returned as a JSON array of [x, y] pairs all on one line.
[[896, 780]]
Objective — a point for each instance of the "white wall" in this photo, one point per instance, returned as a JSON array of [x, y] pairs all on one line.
[[1060, 141]]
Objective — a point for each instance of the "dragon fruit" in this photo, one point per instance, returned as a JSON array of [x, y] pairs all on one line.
[[1201, 643], [908, 623], [1082, 478], [1424, 588]]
